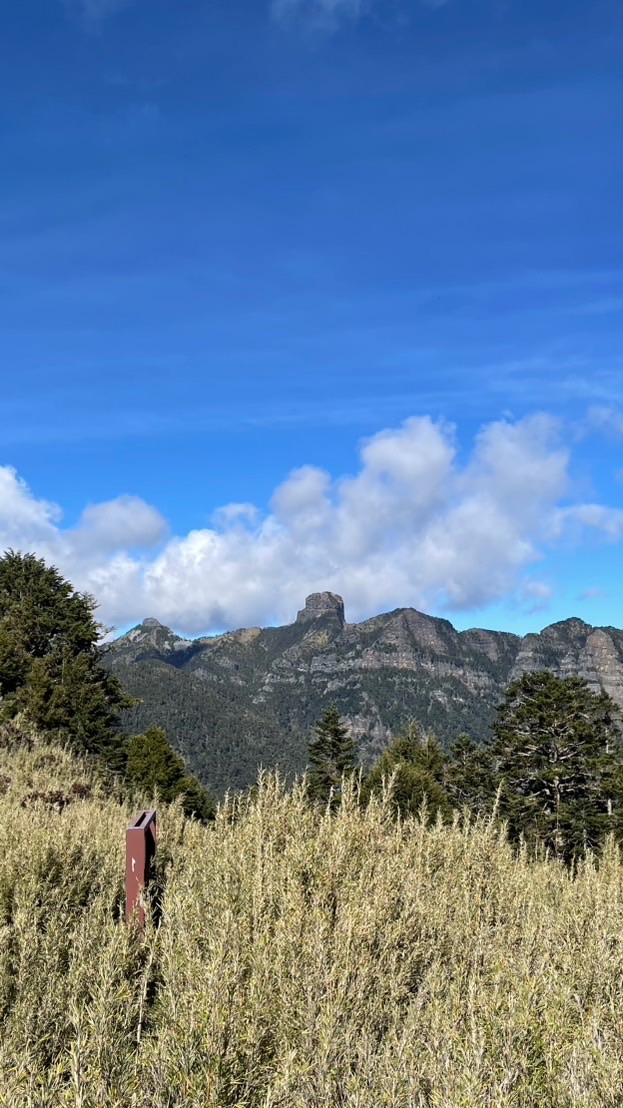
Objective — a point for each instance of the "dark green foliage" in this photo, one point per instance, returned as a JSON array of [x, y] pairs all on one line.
[[222, 740], [469, 776], [50, 661], [331, 755], [197, 801], [39, 613], [235, 702], [153, 765], [72, 698], [556, 750], [417, 764]]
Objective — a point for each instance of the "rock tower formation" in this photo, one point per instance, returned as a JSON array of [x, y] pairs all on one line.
[[322, 605]]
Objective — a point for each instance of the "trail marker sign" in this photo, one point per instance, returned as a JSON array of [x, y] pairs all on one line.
[[140, 850]]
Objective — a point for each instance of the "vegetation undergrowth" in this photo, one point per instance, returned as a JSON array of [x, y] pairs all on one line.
[[303, 958]]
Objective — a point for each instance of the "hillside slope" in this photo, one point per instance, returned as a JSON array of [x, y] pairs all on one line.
[[301, 959], [249, 698]]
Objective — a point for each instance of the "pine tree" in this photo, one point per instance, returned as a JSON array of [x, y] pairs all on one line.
[[153, 765], [556, 750], [469, 776], [50, 661], [72, 698], [40, 611], [331, 755], [417, 763], [50, 669], [196, 801]]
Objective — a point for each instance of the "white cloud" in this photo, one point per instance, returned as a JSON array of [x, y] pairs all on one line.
[[125, 523], [23, 519], [416, 525], [579, 519]]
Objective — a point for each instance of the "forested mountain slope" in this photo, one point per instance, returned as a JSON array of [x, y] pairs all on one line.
[[233, 702]]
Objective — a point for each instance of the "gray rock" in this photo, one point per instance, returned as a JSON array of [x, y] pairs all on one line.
[[322, 604], [250, 697]]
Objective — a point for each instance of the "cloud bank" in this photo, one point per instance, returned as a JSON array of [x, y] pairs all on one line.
[[419, 524]]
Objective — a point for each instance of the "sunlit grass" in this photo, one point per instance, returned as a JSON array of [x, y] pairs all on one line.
[[301, 960]]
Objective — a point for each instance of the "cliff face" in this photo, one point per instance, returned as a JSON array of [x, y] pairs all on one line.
[[250, 697]]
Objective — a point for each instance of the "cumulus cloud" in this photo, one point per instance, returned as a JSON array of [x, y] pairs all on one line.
[[418, 524], [125, 523], [23, 519]]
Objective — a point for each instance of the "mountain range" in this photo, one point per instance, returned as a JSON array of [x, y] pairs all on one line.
[[234, 702]]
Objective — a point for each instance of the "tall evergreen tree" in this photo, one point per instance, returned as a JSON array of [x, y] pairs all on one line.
[[153, 764], [417, 764], [469, 778], [556, 750], [50, 660], [331, 755]]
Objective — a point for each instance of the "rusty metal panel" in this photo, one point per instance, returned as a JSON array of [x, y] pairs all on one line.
[[140, 841]]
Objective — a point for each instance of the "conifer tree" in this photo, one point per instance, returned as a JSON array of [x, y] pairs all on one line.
[[197, 801], [417, 764], [50, 660], [469, 776], [556, 750], [331, 755], [153, 765]]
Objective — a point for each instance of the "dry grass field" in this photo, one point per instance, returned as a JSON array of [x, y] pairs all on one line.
[[300, 960]]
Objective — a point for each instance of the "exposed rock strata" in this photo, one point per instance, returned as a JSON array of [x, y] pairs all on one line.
[[275, 682]]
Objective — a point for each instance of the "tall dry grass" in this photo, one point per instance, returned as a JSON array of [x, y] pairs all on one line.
[[301, 960]]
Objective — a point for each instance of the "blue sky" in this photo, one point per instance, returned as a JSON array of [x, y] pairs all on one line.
[[237, 240]]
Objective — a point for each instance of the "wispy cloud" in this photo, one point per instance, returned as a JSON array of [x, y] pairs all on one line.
[[329, 14], [535, 596], [604, 418], [594, 593], [321, 14], [95, 11], [415, 525]]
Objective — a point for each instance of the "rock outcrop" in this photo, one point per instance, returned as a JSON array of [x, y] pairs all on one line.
[[250, 697], [320, 605]]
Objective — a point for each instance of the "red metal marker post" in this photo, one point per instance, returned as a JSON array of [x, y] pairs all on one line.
[[140, 849]]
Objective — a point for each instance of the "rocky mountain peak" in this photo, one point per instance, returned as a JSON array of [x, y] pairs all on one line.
[[320, 604], [250, 697], [151, 634]]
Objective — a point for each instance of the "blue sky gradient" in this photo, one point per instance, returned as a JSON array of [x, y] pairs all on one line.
[[237, 240]]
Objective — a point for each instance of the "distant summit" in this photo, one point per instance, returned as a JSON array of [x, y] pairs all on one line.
[[322, 604], [250, 698]]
